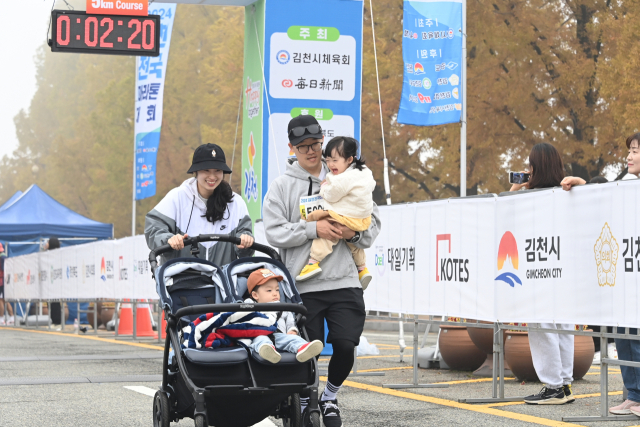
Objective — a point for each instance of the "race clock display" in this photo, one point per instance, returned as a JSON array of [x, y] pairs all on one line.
[[79, 32]]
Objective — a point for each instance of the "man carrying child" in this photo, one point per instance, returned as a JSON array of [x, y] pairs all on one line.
[[334, 295]]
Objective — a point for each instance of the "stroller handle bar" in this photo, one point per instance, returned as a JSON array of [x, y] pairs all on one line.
[[217, 308], [193, 241]]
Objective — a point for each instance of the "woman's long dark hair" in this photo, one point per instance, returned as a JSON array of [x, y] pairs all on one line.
[[548, 170], [217, 203], [345, 147]]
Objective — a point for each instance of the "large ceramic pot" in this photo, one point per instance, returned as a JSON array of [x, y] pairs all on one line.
[[105, 312], [457, 349], [518, 355], [483, 339], [583, 351]]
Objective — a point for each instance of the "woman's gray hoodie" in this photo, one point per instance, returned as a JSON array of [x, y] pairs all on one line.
[[285, 230]]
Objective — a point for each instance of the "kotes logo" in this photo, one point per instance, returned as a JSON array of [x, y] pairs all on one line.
[[508, 250], [450, 269]]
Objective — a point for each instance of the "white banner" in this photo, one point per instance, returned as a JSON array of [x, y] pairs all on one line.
[[111, 269], [539, 256]]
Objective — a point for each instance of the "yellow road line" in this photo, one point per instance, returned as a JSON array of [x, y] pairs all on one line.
[[477, 380], [578, 396], [452, 404], [383, 369], [368, 357], [86, 337]]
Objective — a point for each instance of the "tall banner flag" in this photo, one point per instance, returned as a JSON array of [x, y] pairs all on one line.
[[308, 54], [150, 75], [432, 52]]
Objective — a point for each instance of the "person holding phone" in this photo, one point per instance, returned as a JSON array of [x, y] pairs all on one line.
[[552, 353]]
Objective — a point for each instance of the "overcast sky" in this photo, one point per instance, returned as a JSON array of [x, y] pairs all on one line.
[[23, 26]]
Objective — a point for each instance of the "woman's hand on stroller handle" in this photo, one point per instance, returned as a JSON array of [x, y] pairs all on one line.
[[177, 242], [246, 241]]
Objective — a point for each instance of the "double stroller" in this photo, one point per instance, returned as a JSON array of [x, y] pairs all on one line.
[[226, 386]]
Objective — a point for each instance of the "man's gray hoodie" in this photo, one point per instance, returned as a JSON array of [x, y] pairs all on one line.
[[285, 230]]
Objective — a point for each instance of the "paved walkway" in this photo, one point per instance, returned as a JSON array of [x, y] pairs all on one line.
[[58, 379]]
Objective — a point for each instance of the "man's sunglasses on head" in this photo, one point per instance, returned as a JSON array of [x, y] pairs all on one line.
[[299, 131]]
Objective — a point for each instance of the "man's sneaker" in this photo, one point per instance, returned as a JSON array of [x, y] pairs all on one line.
[[612, 351], [309, 271], [268, 352], [309, 350], [624, 408], [2, 321], [11, 320], [365, 278], [547, 396], [568, 393], [330, 413]]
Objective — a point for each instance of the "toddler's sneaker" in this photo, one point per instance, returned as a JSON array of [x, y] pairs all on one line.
[[625, 408], [568, 393], [269, 352], [309, 271], [365, 278], [309, 350]]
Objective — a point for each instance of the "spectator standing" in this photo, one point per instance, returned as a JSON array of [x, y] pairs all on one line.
[[627, 349], [552, 353], [55, 308], [3, 256]]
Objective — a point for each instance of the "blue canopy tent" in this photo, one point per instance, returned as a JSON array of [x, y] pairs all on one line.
[[11, 200], [34, 216], [28, 218]]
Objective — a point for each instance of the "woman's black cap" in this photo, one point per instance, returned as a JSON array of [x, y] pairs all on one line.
[[209, 156]]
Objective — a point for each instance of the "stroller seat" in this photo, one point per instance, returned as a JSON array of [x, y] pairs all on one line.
[[218, 356], [287, 359]]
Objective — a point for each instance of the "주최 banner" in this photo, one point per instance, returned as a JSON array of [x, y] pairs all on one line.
[[432, 52], [312, 56], [150, 75]]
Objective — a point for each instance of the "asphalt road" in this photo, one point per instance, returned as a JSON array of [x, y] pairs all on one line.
[[55, 379]]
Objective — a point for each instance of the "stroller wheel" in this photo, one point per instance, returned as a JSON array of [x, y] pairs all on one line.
[[294, 416], [161, 410], [315, 419], [201, 421]]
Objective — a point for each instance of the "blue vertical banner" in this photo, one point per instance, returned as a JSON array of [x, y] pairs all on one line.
[[312, 65], [150, 76], [432, 52]]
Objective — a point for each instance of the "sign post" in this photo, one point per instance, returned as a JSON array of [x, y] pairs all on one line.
[[150, 77]]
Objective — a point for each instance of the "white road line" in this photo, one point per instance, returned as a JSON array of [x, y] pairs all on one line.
[[141, 389], [151, 392]]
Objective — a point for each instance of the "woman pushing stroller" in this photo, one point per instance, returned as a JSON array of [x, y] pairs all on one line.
[[203, 204]]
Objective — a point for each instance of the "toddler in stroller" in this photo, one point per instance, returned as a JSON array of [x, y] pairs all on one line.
[[263, 287]]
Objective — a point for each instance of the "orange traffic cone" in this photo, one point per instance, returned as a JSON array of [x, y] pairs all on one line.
[[125, 320], [143, 322], [164, 328]]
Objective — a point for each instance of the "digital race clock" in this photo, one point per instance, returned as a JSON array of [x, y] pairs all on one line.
[[79, 32]]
